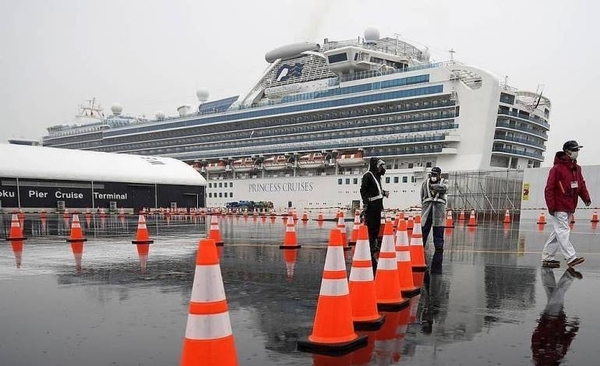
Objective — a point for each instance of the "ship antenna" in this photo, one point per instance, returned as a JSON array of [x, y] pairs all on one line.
[[452, 52]]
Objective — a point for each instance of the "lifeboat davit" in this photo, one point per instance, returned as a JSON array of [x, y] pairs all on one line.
[[216, 167], [243, 165], [313, 160], [278, 162], [351, 159]]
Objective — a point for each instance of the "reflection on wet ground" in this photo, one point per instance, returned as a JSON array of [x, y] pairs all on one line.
[[488, 303]]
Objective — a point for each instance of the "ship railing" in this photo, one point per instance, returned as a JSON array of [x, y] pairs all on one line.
[[373, 73], [521, 128], [520, 140], [535, 119], [517, 152]]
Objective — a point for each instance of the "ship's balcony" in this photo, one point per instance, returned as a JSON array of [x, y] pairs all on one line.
[[520, 141], [532, 119], [504, 125], [497, 150]]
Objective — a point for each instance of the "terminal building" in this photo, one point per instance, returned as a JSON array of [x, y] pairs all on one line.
[[33, 178]]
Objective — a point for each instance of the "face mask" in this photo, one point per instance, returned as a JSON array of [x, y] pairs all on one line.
[[573, 155], [434, 179], [382, 171]]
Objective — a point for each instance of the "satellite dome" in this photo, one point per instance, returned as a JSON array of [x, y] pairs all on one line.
[[160, 115], [371, 35], [116, 109], [202, 94], [183, 110]]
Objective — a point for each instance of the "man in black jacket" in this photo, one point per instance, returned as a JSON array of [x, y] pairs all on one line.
[[372, 195]]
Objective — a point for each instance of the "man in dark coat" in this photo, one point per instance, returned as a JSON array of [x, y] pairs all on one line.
[[372, 195], [564, 186]]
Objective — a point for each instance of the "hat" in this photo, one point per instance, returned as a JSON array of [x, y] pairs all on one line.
[[571, 145], [436, 170], [380, 163]]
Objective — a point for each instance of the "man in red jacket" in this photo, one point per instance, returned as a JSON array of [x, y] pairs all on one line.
[[564, 187]]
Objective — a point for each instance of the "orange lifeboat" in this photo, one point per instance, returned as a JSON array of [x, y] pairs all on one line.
[[278, 162], [312, 160], [216, 167], [351, 159], [197, 166], [243, 165]]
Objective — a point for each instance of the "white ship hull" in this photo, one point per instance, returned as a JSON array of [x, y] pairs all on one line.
[[310, 192]]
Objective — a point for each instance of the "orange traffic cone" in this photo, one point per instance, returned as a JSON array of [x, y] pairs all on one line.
[[507, 219], [410, 224], [15, 236], [333, 331], [387, 285], [142, 241], [305, 216], [362, 286], [341, 225], [214, 232], [208, 336], [417, 251], [404, 264], [320, 217], [449, 221], [355, 226], [16, 232], [542, 219], [289, 239], [461, 217], [472, 219], [594, 216], [76, 239]]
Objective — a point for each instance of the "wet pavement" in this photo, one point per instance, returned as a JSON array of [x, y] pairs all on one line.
[[491, 304]]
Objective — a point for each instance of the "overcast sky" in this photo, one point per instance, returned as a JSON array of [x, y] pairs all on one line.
[[152, 55]]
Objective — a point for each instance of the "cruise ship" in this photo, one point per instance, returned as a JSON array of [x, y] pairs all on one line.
[[303, 134]]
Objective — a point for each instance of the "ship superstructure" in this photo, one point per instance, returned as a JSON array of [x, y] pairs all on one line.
[[303, 134]]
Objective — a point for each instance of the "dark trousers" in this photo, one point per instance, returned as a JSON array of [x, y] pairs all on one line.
[[373, 222], [435, 266]]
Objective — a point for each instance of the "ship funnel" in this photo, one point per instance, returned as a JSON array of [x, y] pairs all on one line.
[[116, 109], [160, 115], [183, 110]]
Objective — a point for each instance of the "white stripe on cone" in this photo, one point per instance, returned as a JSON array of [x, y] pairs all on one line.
[[212, 326], [361, 274], [211, 274], [338, 287], [334, 261]]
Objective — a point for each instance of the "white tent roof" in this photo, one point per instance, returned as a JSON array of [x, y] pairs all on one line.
[[36, 162]]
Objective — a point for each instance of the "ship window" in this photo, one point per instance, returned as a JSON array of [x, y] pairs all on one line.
[[387, 179], [220, 194], [404, 179], [396, 179], [355, 181], [340, 181], [347, 180], [413, 179], [209, 185], [210, 195], [507, 98], [230, 184], [220, 185], [337, 58], [411, 165], [230, 194]]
